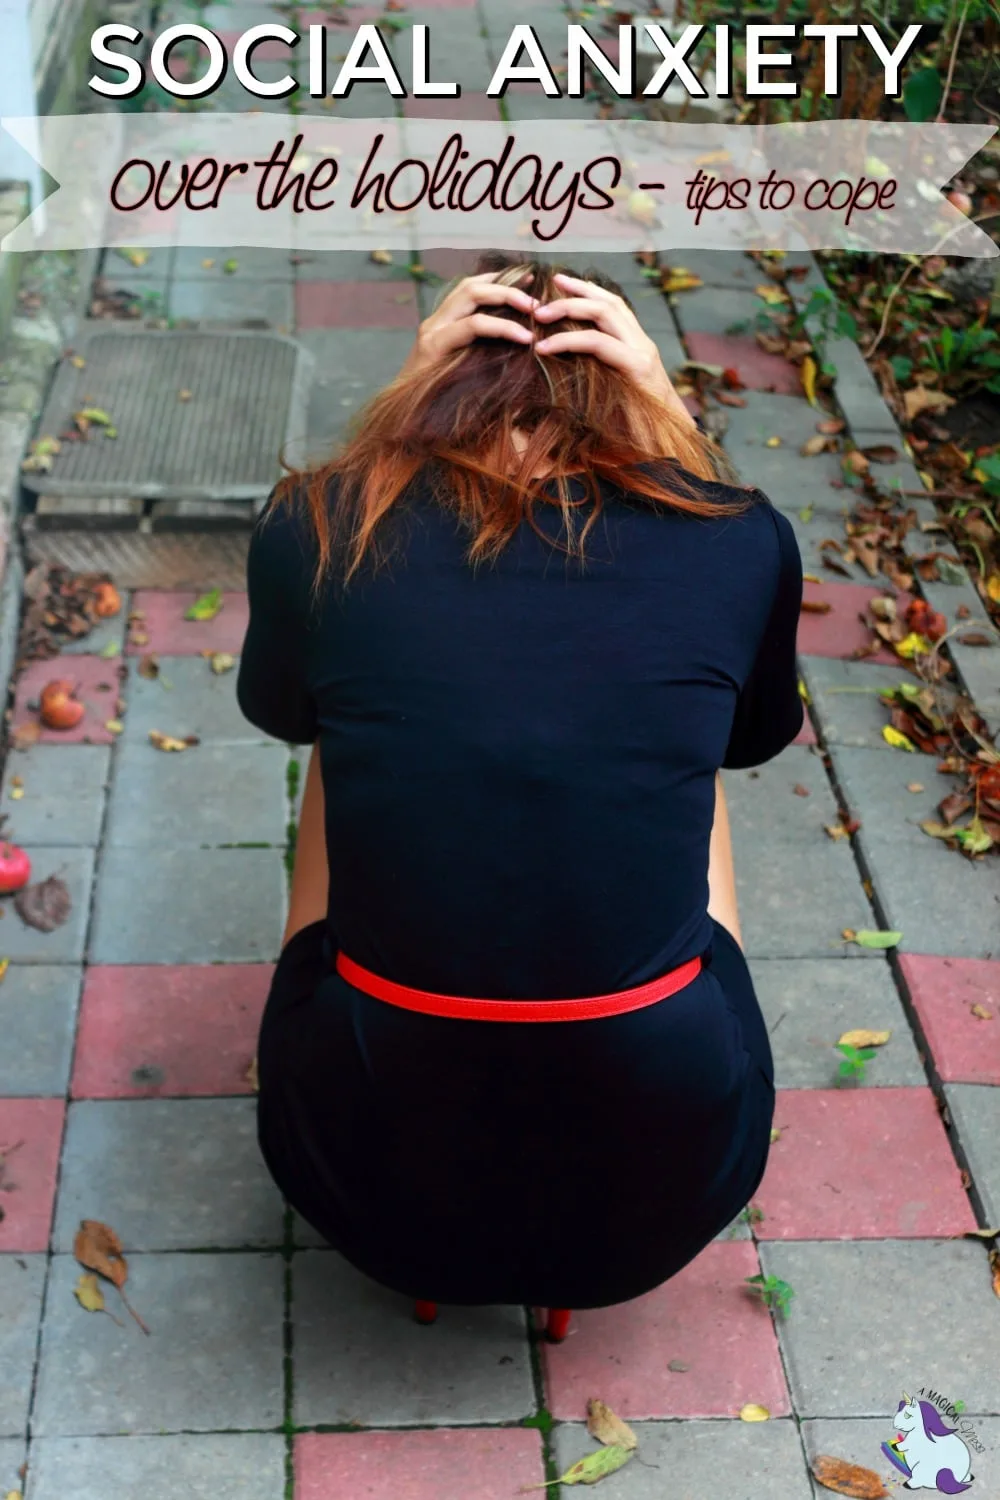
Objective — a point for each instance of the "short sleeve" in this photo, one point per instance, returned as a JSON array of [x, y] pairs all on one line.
[[271, 687], [769, 711]]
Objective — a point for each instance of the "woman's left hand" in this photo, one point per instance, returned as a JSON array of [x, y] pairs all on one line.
[[617, 337]]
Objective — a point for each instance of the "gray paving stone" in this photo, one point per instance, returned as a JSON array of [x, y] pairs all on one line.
[[717, 310], [185, 699], [809, 1002], [25, 944], [845, 695], [169, 1174], [253, 263], [12, 1455], [897, 476], [351, 365], [797, 889], [700, 1460], [63, 794], [155, 267], [791, 480], [217, 1466], [730, 269], [819, 519], [38, 1004], [873, 1318], [22, 1278], [189, 906], [857, 391], [350, 265], [975, 1109], [213, 1360], [360, 1355], [188, 798], [860, 1442], [232, 301], [940, 901], [672, 351]]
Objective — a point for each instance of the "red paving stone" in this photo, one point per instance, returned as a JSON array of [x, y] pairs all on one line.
[[468, 106], [146, 1032], [705, 1317], [449, 262], [965, 1046], [857, 1164], [97, 686], [30, 1138], [490, 1463], [841, 631], [356, 304], [758, 370], [168, 633]]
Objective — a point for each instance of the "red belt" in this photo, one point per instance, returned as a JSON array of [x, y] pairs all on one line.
[[460, 1008]]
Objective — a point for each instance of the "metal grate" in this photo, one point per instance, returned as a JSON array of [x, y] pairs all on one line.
[[178, 560], [247, 401]]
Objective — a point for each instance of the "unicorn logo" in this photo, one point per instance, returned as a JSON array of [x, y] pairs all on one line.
[[931, 1455]]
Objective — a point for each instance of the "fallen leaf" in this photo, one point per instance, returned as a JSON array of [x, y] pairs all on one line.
[[995, 1270], [206, 607], [596, 1466], [975, 638], [678, 1366], [729, 398], [775, 1134], [981, 1012], [221, 661], [607, 1428], [679, 279], [99, 1249], [26, 734], [896, 738], [170, 742], [809, 373], [134, 257], [813, 445], [139, 638], [831, 427], [881, 453], [979, 1234], [110, 651], [149, 666], [114, 726], [772, 442], [921, 398], [993, 587], [835, 831], [252, 1076], [865, 938], [382, 257], [184, 395], [754, 1413], [78, 362], [88, 1292], [229, 266], [16, 793], [800, 790], [863, 1038], [815, 607], [848, 1479], [4, 966], [914, 786], [45, 905]]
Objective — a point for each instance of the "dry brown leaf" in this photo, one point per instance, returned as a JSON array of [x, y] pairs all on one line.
[[995, 1271], [848, 1479], [863, 1038], [813, 445], [99, 1249], [149, 666], [981, 1012], [922, 398], [44, 905], [914, 786], [606, 1427], [26, 734], [831, 427], [815, 607], [252, 1076]]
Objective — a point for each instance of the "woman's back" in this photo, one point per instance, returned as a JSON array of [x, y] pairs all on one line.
[[519, 759]]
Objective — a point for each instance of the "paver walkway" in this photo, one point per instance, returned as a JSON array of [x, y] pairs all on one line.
[[272, 1370]]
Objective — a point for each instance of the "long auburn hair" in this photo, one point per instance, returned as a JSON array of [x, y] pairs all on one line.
[[454, 423]]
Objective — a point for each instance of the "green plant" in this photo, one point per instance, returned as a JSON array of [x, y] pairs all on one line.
[[972, 351], [824, 318], [855, 1060], [987, 471], [775, 1294]]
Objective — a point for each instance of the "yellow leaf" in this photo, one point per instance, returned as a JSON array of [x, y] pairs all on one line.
[[863, 1038], [78, 362], [772, 442], [993, 587], [207, 264], [13, 1495], [981, 1012], [913, 645], [897, 738], [809, 373], [678, 279], [114, 726], [206, 606], [914, 786], [641, 206], [775, 1134], [804, 692], [811, 578], [754, 1413], [135, 257], [169, 741], [770, 293], [221, 661], [88, 1293], [607, 1428], [382, 257], [4, 966], [16, 793]]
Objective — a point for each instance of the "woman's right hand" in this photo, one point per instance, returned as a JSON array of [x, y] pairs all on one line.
[[460, 318]]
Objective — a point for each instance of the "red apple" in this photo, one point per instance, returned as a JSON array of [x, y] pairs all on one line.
[[59, 708], [961, 201], [15, 869]]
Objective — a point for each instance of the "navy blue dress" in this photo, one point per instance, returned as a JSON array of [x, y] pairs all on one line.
[[518, 766]]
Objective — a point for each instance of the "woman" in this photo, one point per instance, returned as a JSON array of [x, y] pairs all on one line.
[[522, 623]]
